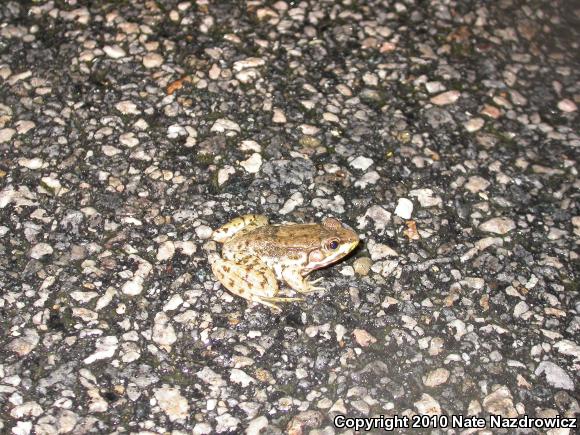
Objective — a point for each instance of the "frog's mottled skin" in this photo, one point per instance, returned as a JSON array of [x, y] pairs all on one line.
[[256, 254]]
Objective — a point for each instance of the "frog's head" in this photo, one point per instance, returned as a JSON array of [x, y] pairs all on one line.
[[336, 241]]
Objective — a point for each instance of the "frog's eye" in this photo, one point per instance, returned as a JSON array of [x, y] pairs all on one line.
[[333, 245]]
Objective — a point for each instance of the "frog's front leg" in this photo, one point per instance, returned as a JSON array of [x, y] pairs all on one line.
[[247, 276], [246, 222], [301, 284]]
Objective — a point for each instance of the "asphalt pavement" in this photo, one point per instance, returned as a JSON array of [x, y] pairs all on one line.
[[444, 132]]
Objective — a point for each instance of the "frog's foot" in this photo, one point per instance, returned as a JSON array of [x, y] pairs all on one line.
[[299, 283], [249, 278], [246, 222]]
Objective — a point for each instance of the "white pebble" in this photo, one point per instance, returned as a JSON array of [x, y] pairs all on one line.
[[279, 117], [499, 225], [152, 60], [404, 208], [172, 402], [127, 108], [114, 51], [173, 303], [428, 405], [474, 124], [40, 250], [250, 145], [222, 124], [434, 87], [567, 105], [105, 348], [252, 164], [240, 377], [110, 151], [362, 163], [448, 97], [294, 201], [203, 232], [166, 251], [163, 332], [6, 134], [24, 126], [129, 140], [34, 163], [426, 197], [250, 62], [224, 174], [555, 375], [476, 184]]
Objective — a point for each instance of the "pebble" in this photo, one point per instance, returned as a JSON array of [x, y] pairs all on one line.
[[434, 87], [555, 375], [24, 344], [362, 163], [6, 134], [500, 402], [114, 51], [379, 251], [436, 377], [127, 108], [363, 338], [370, 177], [226, 423], [404, 208], [257, 425], [22, 428], [223, 125], [24, 126], [240, 377], [362, 266], [491, 111], [476, 184], [291, 203], [250, 145], [224, 174], [445, 98], [427, 405], [203, 232], [568, 347], [163, 332], [279, 117], [474, 124], [498, 225], [426, 197], [172, 402], [250, 62], [166, 251], [252, 164], [380, 217], [567, 106], [129, 140], [34, 163], [105, 347], [40, 250], [110, 151], [152, 60]]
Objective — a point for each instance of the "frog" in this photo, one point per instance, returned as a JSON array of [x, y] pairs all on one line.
[[256, 255]]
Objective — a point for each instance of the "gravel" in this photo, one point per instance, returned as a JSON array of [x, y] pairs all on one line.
[[445, 133]]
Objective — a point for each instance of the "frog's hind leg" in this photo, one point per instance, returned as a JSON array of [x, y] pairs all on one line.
[[248, 277], [245, 222], [299, 283]]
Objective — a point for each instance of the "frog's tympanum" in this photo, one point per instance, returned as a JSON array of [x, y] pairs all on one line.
[[255, 254]]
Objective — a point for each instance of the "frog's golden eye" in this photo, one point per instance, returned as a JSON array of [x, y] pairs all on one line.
[[332, 245]]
